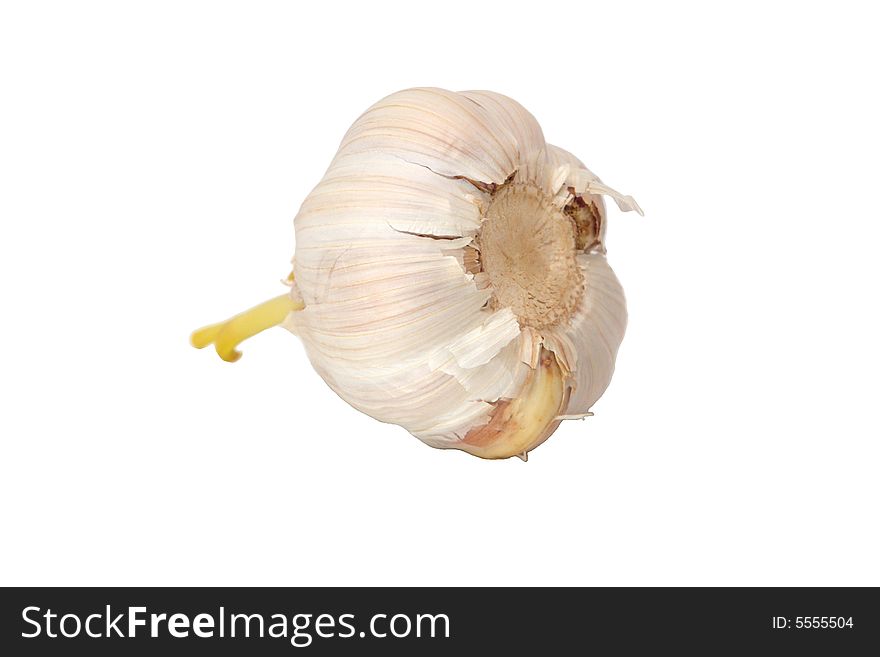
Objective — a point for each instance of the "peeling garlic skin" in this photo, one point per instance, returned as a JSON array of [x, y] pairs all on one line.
[[452, 269]]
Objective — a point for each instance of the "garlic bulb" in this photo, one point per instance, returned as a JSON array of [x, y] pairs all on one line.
[[450, 275]]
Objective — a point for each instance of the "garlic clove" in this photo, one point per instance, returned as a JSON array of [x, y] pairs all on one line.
[[515, 127], [476, 135], [387, 192], [587, 346], [520, 424]]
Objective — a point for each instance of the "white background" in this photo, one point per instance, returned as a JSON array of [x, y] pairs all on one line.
[[152, 157]]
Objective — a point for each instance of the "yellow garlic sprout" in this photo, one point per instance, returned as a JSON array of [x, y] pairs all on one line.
[[450, 275]]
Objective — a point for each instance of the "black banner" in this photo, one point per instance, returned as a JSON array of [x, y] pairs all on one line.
[[419, 621]]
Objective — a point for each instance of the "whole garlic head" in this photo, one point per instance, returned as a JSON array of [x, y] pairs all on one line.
[[450, 275]]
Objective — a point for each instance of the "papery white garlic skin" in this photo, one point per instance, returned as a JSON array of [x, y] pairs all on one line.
[[400, 320]]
